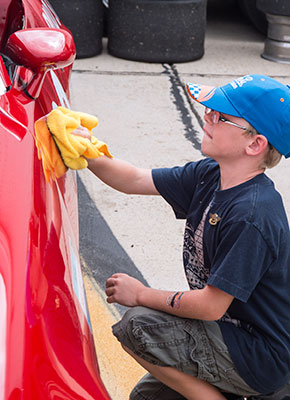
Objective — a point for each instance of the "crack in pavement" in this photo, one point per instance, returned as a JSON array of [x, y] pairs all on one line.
[[179, 95]]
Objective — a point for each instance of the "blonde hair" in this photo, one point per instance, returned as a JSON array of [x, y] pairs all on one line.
[[272, 157]]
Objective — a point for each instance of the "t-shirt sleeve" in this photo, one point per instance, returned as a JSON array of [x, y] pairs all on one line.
[[177, 185], [241, 259]]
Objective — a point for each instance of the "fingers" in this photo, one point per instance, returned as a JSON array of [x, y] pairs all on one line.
[[111, 300], [114, 279], [112, 285], [110, 291], [110, 282], [83, 132]]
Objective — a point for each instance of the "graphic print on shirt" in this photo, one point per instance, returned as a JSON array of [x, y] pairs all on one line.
[[196, 272]]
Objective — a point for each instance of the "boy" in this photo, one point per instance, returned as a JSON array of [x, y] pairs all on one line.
[[231, 331]]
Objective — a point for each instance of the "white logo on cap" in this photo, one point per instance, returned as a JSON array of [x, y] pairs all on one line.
[[241, 81]]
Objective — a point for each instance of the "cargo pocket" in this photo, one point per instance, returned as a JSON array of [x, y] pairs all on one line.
[[161, 343], [200, 352]]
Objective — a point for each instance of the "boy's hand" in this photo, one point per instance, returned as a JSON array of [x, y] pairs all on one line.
[[83, 132], [123, 289]]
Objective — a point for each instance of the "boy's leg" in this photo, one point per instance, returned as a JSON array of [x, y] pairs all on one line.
[[193, 347], [149, 387], [190, 387]]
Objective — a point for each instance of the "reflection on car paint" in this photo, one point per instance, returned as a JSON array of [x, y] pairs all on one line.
[[78, 284], [49, 15], [3, 330], [60, 92]]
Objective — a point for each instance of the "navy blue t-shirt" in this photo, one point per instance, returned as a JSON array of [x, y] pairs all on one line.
[[246, 253]]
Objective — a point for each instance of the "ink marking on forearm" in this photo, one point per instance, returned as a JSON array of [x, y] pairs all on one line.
[[174, 301]]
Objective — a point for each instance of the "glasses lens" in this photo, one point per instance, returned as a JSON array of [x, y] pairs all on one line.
[[213, 115], [216, 117]]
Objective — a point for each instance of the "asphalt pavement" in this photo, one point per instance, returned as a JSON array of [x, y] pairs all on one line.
[[146, 118]]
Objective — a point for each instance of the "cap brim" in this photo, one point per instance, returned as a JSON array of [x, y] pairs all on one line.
[[212, 97]]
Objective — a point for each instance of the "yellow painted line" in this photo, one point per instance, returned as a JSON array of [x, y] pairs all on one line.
[[119, 371]]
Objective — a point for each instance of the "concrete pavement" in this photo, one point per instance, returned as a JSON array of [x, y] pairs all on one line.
[[147, 119]]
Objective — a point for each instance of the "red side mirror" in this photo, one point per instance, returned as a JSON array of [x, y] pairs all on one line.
[[40, 49]]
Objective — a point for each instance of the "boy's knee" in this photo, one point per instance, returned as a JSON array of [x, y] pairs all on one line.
[[122, 330], [126, 321]]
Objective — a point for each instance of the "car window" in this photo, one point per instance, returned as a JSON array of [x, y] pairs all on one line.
[[5, 80], [2, 87]]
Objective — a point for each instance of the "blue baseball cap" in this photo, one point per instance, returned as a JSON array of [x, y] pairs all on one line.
[[262, 101]]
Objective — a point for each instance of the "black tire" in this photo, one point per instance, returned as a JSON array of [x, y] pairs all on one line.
[[275, 7], [84, 18], [162, 31], [105, 22], [254, 15]]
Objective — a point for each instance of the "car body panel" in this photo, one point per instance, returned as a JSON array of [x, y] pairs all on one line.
[[46, 343]]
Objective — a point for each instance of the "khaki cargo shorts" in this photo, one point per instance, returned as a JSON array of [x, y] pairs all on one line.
[[191, 346]]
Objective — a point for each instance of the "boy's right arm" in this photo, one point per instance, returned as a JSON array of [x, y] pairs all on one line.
[[118, 174], [123, 176]]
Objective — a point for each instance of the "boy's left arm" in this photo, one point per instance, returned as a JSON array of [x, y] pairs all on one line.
[[209, 303]]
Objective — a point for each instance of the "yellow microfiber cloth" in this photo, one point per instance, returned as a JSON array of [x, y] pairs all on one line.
[[59, 149]]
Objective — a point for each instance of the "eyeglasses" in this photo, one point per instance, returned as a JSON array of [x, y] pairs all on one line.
[[216, 117]]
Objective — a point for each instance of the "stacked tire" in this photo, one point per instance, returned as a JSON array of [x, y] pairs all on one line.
[[160, 31]]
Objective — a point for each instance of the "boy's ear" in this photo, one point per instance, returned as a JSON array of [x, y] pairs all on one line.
[[257, 145]]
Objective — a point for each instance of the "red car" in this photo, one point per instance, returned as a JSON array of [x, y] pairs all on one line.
[[46, 344]]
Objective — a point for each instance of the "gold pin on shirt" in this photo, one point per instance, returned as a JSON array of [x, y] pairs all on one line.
[[214, 218]]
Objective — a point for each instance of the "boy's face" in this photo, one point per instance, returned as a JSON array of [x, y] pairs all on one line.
[[222, 140]]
